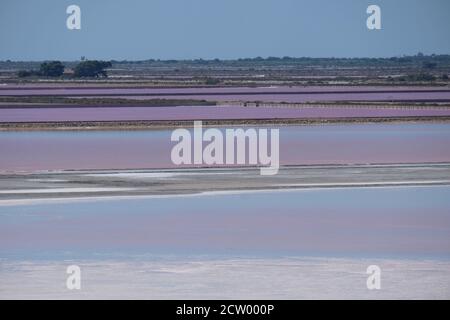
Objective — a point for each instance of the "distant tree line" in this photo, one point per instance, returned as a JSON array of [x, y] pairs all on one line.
[[84, 69], [420, 59], [419, 67]]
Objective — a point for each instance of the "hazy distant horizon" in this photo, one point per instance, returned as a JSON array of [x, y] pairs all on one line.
[[225, 29], [223, 60]]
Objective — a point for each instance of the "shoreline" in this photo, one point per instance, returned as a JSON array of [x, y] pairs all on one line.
[[87, 199], [21, 188], [168, 124]]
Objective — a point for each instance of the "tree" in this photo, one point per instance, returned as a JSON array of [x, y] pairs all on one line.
[[92, 68], [51, 69]]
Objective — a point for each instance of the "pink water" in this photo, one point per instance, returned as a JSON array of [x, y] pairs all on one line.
[[273, 94], [329, 144], [127, 113], [399, 222]]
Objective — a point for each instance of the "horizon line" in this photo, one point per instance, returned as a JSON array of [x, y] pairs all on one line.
[[257, 58]]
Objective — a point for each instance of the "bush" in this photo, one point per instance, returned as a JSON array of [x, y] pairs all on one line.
[[212, 81], [25, 73], [47, 69], [422, 77]]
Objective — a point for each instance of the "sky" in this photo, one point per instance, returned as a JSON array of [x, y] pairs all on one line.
[[225, 29]]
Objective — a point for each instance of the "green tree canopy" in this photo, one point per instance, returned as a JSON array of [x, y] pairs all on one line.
[[92, 68], [51, 69]]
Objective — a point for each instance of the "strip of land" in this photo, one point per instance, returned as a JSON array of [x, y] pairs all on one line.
[[26, 107], [65, 185]]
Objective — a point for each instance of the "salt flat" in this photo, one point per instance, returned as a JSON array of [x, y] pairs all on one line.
[[226, 278], [222, 240], [16, 188]]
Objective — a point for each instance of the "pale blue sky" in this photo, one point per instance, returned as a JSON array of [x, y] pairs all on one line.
[[178, 29]]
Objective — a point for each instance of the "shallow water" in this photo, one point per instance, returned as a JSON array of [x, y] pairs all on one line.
[[396, 222], [130, 113], [274, 94], [298, 244], [320, 144]]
